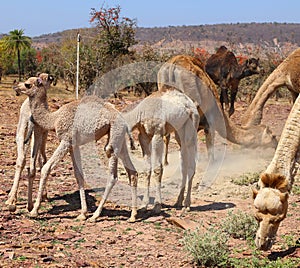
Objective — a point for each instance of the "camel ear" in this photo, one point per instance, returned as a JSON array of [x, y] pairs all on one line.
[[254, 193], [284, 197], [39, 82]]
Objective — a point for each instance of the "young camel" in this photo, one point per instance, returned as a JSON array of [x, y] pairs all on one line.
[[38, 144], [186, 74], [156, 116], [75, 124], [271, 200]]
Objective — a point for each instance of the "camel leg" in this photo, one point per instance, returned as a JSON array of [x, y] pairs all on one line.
[[224, 98], [232, 100], [20, 163], [167, 141], [209, 142], [111, 181], [145, 141], [35, 146], [43, 159], [58, 155], [157, 145], [38, 150], [133, 179], [189, 160], [76, 159], [187, 139]]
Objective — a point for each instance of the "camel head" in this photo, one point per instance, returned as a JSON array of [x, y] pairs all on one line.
[[252, 66], [31, 84], [271, 204], [259, 136], [267, 138]]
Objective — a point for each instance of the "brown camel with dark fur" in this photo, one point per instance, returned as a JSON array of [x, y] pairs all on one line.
[[224, 69]]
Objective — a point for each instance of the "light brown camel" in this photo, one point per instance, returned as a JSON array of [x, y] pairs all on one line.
[[156, 116], [75, 124], [286, 74], [38, 144], [271, 204], [186, 74]]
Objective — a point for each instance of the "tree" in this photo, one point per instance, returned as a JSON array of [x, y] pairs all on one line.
[[115, 36], [14, 43]]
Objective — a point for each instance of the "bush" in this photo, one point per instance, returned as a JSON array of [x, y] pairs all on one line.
[[240, 225], [246, 179], [209, 248]]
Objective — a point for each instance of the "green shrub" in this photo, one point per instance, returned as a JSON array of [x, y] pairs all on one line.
[[240, 225], [208, 248], [246, 179]]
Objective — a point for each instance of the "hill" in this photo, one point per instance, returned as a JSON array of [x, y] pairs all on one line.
[[236, 33]]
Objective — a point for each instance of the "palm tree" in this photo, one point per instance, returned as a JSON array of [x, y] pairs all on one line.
[[15, 42]]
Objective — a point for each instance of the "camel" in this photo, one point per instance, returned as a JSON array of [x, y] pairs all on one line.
[[74, 126], [224, 69], [156, 116], [271, 200], [38, 143], [186, 74], [286, 74]]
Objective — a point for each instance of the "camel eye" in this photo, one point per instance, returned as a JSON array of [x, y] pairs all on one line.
[[257, 218], [28, 86], [275, 220]]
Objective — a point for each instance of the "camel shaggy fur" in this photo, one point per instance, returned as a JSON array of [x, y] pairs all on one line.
[[224, 69], [271, 205], [74, 126], [25, 129], [286, 74], [186, 74], [156, 116], [271, 200]]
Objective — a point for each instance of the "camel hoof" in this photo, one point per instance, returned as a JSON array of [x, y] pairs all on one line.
[[33, 214], [29, 208], [81, 217], [131, 220], [92, 219], [157, 208], [143, 209], [178, 205], [12, 208]]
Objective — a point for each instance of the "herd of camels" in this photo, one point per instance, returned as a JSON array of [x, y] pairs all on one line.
[[187, 100]]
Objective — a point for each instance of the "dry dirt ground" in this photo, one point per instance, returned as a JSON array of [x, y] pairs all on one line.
[[56, 239]]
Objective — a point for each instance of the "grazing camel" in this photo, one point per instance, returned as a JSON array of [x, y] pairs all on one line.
[[224, 69], [286, 74], [271, 200], [186, 74], [75, 124], [38, 143], [156, 116]]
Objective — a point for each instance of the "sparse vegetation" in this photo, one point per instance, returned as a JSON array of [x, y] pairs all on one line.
[[246, 179], [240, 225], [207, 248]]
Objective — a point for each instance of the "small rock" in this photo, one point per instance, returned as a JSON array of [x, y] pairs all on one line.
[[11, 255], [48, 259], [65, 236], [155, 219]]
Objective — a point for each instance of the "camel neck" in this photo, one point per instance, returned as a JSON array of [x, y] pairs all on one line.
[[40, 112], [285, 156]]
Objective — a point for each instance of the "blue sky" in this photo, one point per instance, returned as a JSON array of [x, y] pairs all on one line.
[[38, 17]]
